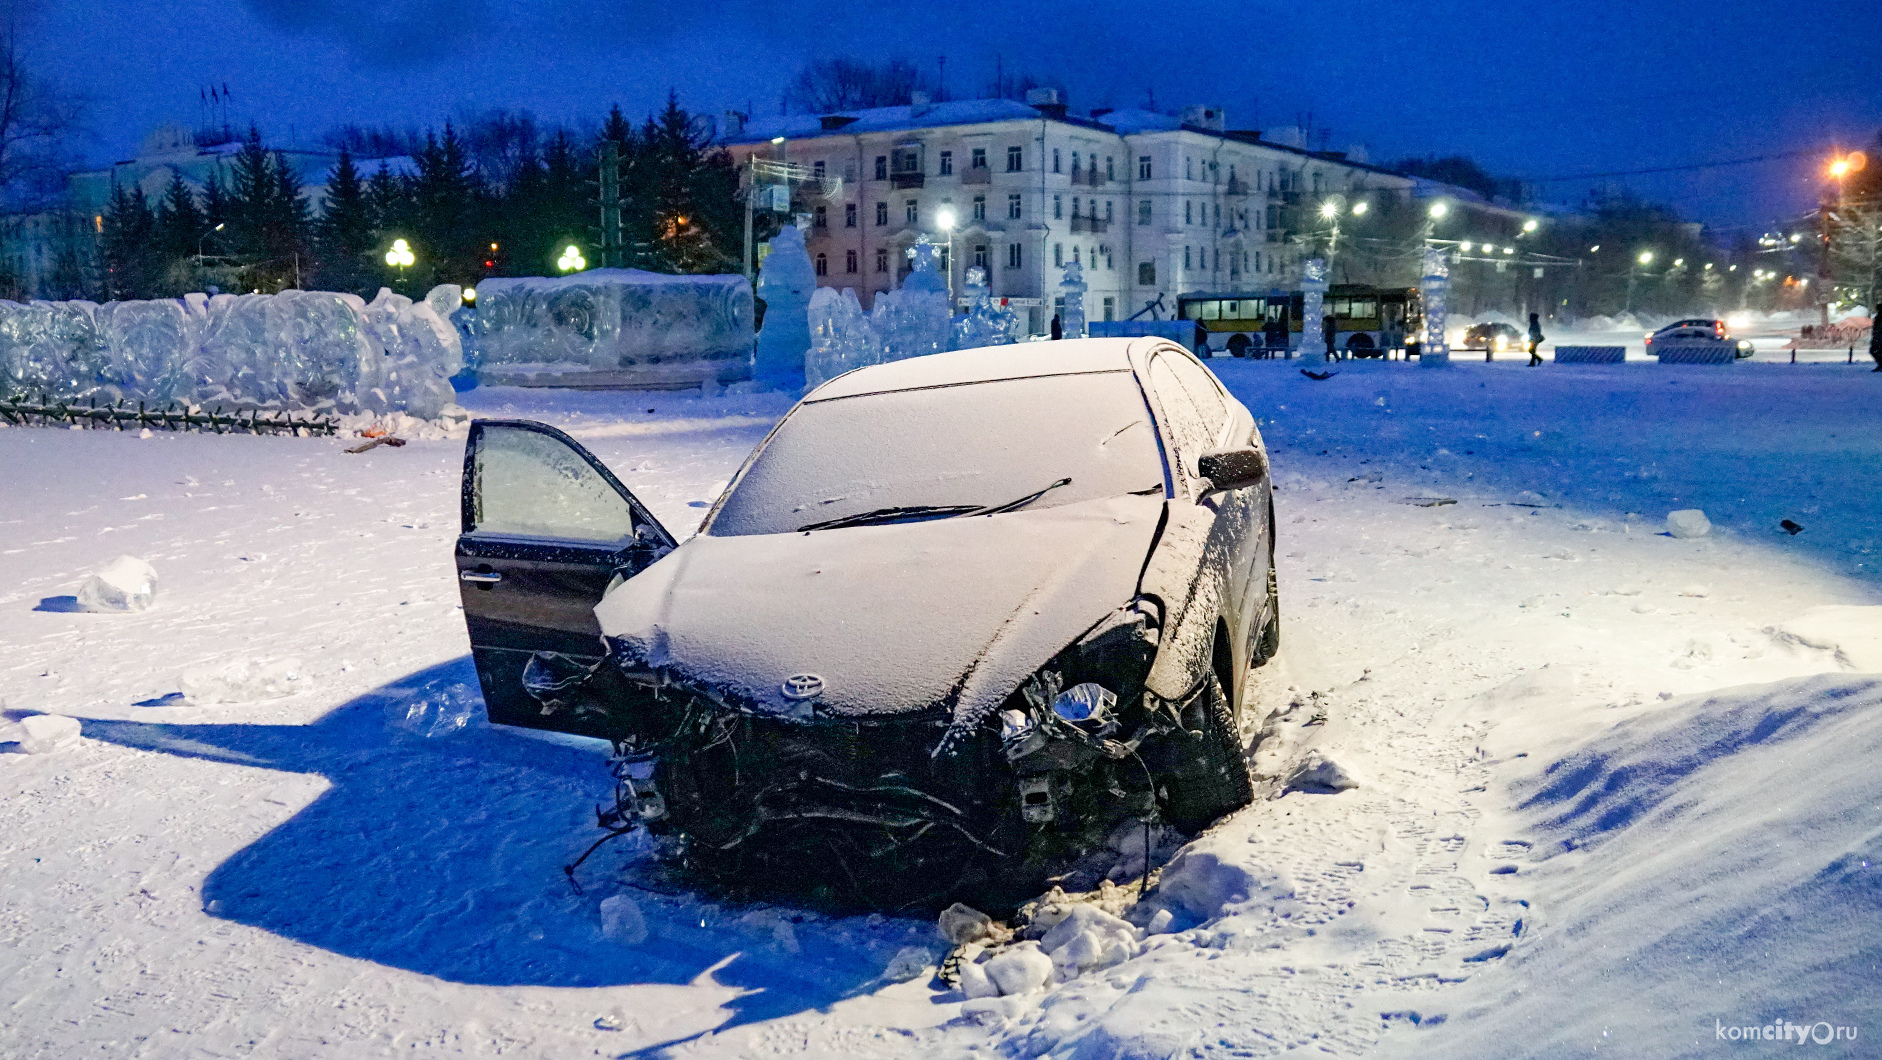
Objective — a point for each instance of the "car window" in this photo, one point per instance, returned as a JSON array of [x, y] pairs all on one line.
[[1203, 392], [528, 483], [981, 444], [1189, 433]]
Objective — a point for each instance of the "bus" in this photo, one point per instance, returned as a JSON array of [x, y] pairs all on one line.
[[1367, 320]]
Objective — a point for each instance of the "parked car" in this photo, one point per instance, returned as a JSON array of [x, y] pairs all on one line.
[[955, 619], [1700, 331], [1493, 338]]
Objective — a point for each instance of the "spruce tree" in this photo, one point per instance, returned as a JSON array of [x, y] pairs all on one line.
[[179, 223], [344, 239], [132, 264]]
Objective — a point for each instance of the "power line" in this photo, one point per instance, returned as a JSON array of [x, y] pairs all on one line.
[[1670, 169]]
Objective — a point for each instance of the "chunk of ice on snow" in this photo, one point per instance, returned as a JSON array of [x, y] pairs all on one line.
[[436, 712], [1317, 772], [1020, 969], [909, 963], [243, 681], [124, 584], [621, 920], [46, 733], [1688, 522], [961, 924]]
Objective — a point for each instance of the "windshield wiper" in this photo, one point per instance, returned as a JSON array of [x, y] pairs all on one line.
[[995, 509], [899, 513]]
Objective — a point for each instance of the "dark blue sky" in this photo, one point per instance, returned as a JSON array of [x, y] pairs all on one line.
[[1533, 89]]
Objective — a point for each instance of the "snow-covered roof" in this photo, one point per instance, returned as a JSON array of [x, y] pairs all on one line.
[[1131, 120], [987, 363], [885, 119]]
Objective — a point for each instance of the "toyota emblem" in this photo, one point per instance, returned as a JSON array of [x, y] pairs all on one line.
[[802, 686]]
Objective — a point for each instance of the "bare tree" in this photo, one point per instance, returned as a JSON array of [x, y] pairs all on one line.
[[501, 143], [826, 86], [38, 120]]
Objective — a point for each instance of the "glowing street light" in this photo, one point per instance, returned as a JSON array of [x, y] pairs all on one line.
[[1328, 209], [1360, 208], [945, 218], [470, 296], [1464, 246], [401, 256], [1531, 225], [1646, 257], [571, 260], [1438, 210], [1843, 165]]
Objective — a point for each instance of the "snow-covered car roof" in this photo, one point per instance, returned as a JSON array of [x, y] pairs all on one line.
[[1021, 361]]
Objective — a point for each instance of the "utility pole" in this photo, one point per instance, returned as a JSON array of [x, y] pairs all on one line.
[[611, 249]]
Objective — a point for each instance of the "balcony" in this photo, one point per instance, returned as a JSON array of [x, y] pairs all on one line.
[[1094, 225], [1090, 178], [906, 180], [1237, 186], [977, 175]]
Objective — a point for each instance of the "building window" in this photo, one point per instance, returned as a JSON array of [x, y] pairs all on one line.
[[1013, 158], [1012, 255], [1058, 207], [910, 209], [1186, 218], [816, 169], [1186, 255], [849, 261], [1189, 168], [1074, 163], [1012, 207], [980, 207], [1107, 211], [978, 159], [882, 259], [1215, 264], [1055, 160], [1075, 204], [882, 167], [1058, 255], [1078, 255], [849, 215], [1257, 261], [1146, 274], [1143, 167], [1110, 170], [823, 264], [822, 217], [1218, 215], [882, 213], [947, 163], [1109, 265], [1143, 211], [1110, 308], [945, 268], [980, 255]]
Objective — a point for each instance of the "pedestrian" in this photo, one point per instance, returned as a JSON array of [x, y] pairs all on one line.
[[1535, 340], [1058, 329], [1329, 330], [1875, 336]]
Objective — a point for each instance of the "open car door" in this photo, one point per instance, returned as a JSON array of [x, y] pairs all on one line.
[[546, 529]]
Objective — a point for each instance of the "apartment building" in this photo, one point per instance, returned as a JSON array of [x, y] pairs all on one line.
[[1151, 205]]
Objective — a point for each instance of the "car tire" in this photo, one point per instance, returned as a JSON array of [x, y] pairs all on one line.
[[1267, 642], [1206, 777]]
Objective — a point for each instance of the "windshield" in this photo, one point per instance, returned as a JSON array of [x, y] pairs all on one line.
[[948, 452]]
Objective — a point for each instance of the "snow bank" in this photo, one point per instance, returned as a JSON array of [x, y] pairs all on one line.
[[1714, 864], [1853, 633]]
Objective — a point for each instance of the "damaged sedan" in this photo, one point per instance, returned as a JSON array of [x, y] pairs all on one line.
[[955, 620]]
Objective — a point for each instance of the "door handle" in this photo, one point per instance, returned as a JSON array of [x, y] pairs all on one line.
[[480, 577]]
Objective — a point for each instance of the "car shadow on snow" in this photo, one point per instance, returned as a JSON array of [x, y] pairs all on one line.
[[444, 856]]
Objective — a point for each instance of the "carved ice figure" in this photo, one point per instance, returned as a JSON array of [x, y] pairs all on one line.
[[1072, 317], [841, 336], [1313, 287], [984, 324], [914, 321], [1431, 289], [151, 349], [785, 282]]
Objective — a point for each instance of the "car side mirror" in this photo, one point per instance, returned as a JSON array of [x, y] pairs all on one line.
[[1233, 469]]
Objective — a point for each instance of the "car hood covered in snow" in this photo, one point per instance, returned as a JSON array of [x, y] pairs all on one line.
[[888, 619]]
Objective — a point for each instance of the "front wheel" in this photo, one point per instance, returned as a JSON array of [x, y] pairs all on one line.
[[1203, 776]]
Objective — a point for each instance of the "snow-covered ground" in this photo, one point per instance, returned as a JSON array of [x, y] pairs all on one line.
[[1616, 789]]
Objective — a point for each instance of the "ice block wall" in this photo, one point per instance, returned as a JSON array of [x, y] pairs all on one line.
[[293, 350], [626, 323]]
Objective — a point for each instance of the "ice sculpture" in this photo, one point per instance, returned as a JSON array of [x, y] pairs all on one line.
[[915, 321], [785, 282], [1431, 290], [842, 338], [627, 326], [1072, 317], [296, 349], [1313, 286], [985, 324]]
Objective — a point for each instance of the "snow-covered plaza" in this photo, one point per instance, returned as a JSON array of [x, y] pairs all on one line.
[[1616, 790]]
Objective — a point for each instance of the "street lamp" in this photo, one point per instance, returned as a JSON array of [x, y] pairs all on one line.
[[1360, 208], [571, 260], [1438, 210], [1531, 225], [1329, 210], [401, 257], [204, 239], [1646, 257]]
